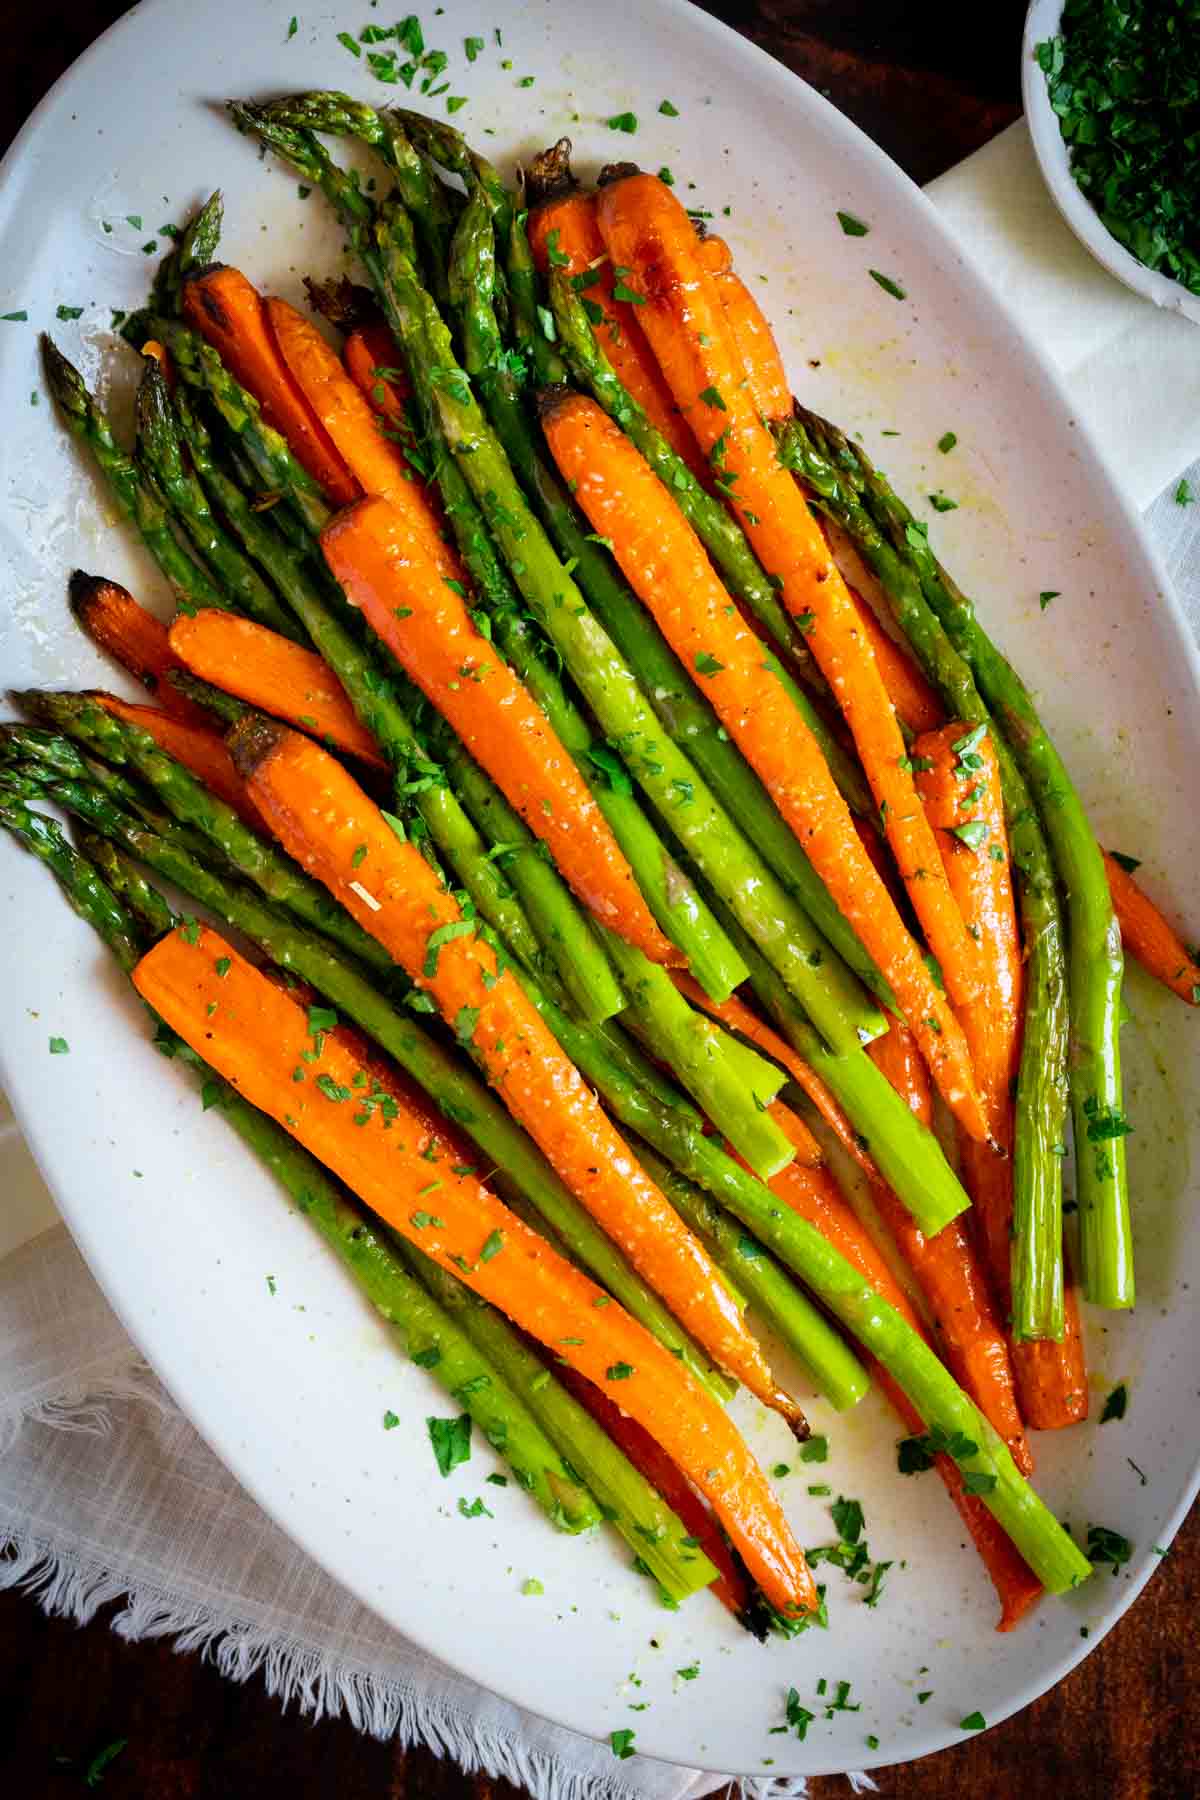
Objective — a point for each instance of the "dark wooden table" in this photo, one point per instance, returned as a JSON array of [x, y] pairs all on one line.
[[1123, 1726]]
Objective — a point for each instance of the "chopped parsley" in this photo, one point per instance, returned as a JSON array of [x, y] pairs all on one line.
[[888, 285], [1047, 595], [444, 934], [974, 834], [707, 665], [847, 1519], [851, 226], [59, 1047], [947, 442], [451, 1440], [621, 1742], [942, 503], [1183, 494], [332, 1090], [618, 1371], [974, 1721], [391, 1419], [668, 109], [94, 1773], [1116, 1404], [815, 1449], [711, 397], [1128, 863], [493, 1244], [472, 46], [689, 1673], [474, 1509], [531, 1585], [1107, 1547], [625, 121], [349, 42], [68, 312]]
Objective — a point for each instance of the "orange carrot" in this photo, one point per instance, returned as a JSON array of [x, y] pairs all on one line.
[[135, 638], [738, 1016], [200, 750], [646, 229], [665, 563], [377, 464], [916, 703], [319, 814], [1146, 934], [967, 1329], [650, 1460], [754, 344], [255, 1035], [229, 312], [1051, 1378], [567, 226], [425, 624], [273, 674], [369, 350], [816, 1197]]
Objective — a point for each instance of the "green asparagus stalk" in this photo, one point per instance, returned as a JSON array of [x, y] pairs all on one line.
[[560, 923], [1042, 1091], [433, 1336], [627, 1499], [523, 293], [189, 801], [702, 1059], [160, 453], [191, 583], [194, 250], [457, 1093], [140, 897], [827, 1359], [1094, 961], [226, 709]]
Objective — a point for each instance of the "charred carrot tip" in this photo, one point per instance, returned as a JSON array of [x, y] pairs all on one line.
[[252, 741]]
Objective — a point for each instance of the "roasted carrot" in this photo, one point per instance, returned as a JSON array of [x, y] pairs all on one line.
[[377, 464], [227, 310], [967, 1329], [256, 1036], [916, 703], [1146, 934], [665, 563], [816, 1197], [738, 1016], [754, 344], [134, 637], [319, 813], [646, 229], [372, 362], [273, 674], [424, 621], [1051, 1377], [195, 746], [566, 229], [650, 1460]]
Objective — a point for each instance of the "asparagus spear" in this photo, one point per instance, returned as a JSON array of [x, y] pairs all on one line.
[[627, 1499], [160, 453], [1041, 1098], [678, 908], [523, 293], [195, 248], [188, 800], [433, 1336], [192, 584], [831, 1365], [457, 1093], [1094, 961], [140, 897]]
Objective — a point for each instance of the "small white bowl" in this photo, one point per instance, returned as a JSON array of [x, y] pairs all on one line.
[[1043, 21]]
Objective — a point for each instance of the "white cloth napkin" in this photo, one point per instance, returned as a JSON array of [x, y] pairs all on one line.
[[106, 1492]]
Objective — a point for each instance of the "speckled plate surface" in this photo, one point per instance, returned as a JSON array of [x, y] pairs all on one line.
[[182, 1230]]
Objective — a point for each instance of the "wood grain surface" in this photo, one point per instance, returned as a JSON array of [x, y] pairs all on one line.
[[930, 83]]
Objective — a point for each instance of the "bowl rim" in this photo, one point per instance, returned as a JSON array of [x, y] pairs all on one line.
[[1043, 20]]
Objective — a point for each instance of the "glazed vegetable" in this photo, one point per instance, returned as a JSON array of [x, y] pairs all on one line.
[[133, 637], [317, 810], [647, 228], [916, 704], [273, 674], [1146, 934], [427, 627], [198, 748], [665, 561], [256, 1037], [228, 313], [753, 342]]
